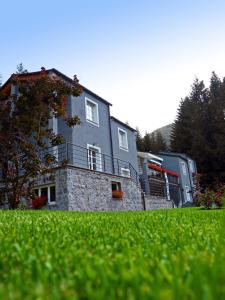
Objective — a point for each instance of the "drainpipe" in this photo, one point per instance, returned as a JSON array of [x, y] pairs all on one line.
[[189, 171], [167, 187], [189, 176], [111, 142], [145, 177]]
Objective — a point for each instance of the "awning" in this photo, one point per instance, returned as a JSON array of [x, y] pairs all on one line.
[[162, 170]]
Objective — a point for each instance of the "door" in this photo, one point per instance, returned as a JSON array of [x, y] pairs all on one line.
[[94, 158], [188, 194]]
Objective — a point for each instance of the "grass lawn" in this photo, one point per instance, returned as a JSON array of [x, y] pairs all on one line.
[[167, 254]]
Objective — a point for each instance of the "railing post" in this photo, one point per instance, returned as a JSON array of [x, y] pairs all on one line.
[[130, 170], [146, 179]]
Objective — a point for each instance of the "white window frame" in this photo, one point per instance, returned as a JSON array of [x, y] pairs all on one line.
[[48, 187], [98, 164], [126, 170], [86, 112], [121, 146], [191, 164], [188, 194], [184, 168]]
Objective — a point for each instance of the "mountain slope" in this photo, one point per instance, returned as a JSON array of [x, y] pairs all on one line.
[[165, 132]]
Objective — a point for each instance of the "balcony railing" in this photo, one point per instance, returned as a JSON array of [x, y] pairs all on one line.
[[91, 159]]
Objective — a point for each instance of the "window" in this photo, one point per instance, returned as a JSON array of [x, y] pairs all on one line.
[[125, 172], [117, 191], [94, 158], [188, 193], [191, 166], [183, 166], [48, 191], [123, 144], [116, 186], [52, 194], [92, 111]]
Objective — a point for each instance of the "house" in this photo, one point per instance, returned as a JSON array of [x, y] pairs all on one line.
[[101, 154], [168, 175], [156, 181], [186, 167]]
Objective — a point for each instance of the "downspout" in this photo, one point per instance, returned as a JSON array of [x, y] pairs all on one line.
[[167, 187], [192, 193], [111, 142]]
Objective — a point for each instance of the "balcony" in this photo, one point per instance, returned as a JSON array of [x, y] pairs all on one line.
[[92, 159]]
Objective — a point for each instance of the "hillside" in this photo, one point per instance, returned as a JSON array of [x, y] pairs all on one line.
[[166, 132]]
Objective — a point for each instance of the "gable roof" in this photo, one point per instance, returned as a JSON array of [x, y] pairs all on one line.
[[35, 75]]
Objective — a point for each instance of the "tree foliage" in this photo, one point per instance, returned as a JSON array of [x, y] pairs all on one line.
[[24, 131], [151, 142], [199, 129]]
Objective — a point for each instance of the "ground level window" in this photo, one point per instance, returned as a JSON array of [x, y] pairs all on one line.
[[52, 194], [116, 190], [46, 191]]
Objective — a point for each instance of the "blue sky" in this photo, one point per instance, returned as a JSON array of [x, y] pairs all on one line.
[[142, 56]]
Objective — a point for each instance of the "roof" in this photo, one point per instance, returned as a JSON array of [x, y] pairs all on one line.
[[83, 87], [31, 75], [176, 154], [149, 156], [123, 124]]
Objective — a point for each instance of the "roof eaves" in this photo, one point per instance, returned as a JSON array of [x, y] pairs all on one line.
[[83, 87], [124, 124]]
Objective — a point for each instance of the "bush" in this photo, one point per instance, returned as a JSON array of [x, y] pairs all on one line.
[[39, 202], [211, 199]]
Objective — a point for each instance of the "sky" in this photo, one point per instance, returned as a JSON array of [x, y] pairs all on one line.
[[140, 55]]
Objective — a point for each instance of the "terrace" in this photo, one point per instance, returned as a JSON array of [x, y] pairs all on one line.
[[91, 159]]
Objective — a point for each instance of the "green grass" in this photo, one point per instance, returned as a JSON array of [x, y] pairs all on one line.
[[167, 254]]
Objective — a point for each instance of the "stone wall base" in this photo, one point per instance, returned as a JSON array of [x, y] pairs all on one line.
[[153, 202], [86, 190]]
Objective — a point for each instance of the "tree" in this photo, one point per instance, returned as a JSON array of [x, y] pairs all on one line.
[[160, 144], [199, 130], [24, 132], [152, 142], [188, 120], [147, 142], [139, 140]]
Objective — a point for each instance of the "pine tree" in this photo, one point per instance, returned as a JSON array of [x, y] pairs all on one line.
[[199, 129], [160, 144], [186, 132], [147, 142], [139, 140]]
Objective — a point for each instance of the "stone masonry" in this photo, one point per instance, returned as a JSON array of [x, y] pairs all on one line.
[[87, 190], [154, 202]]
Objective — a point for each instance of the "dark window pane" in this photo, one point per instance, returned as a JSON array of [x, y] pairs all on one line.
[[116, 186], [36, 192], [52, 194], [44, 192]]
